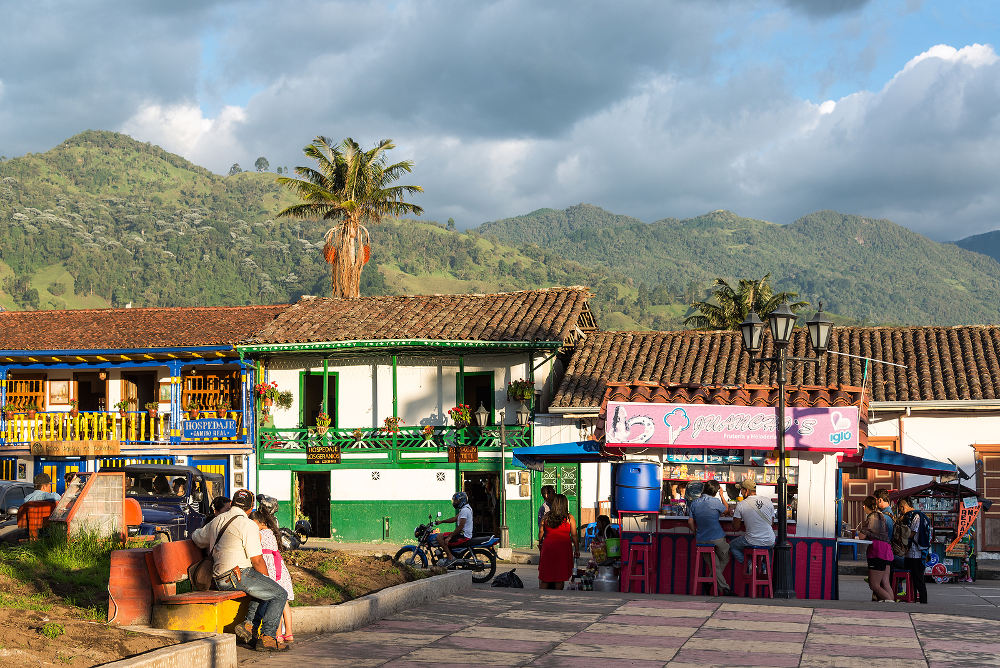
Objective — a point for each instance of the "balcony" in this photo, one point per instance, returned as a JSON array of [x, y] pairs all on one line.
[[378, 440], [128, 428]]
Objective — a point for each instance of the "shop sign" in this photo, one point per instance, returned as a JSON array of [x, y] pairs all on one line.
[[209, 428], [463, 454], [75, 448], [833, 429], [322, 454]]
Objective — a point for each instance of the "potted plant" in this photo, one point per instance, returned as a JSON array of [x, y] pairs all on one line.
[[523, 391], [390, 425], [428, 433], [284, 399], [322, 423], [73, 408], [357, 435], [194, 408], [153, 408], [8, 411], [266, 392], [122, 408], [461, 415], [31, 409], [220, 408]]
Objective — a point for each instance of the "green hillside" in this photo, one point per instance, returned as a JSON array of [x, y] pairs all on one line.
[[864, 269]]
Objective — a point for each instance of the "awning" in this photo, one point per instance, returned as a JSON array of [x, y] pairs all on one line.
[[888, 460], [576, 452]]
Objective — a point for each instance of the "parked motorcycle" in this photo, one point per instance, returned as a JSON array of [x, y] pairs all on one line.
[[294, 539], [478, 556]]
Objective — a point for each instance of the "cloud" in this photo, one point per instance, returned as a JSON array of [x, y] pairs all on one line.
[[183, 129], [825, 8]]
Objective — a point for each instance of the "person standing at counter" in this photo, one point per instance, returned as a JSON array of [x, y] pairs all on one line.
[[879, 552], [756, 513], [704, 513]]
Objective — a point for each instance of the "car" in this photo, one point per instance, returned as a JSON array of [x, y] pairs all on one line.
[[12, 495], [167, 515]]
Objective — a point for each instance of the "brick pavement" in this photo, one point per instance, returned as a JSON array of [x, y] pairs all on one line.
[[533, 628]]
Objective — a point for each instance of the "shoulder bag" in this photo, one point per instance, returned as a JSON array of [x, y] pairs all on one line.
[[200, 573]]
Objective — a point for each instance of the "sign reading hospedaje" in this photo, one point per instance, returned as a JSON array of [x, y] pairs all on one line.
[[209, 428], [833, 429]]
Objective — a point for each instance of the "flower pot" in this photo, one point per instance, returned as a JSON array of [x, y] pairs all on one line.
[[73, 412], [152, 412], [195, 413], [31, 414], [8, 415], [321, 429], [123, 414], [220, 414], [268, 402]]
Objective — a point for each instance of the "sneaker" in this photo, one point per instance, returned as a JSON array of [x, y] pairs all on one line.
[[270, 644], [244, 633], [728, 592], [445, 563]]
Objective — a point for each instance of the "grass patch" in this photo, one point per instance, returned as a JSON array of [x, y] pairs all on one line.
[[53, 630]]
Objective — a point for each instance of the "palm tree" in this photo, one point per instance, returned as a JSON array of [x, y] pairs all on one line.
[[353, 187], [735, 304]]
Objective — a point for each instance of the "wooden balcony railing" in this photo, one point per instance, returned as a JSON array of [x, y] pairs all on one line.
[[132, 427], [410, 439]]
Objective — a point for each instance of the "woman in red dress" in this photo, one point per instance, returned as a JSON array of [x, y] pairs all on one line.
[[559, 547]]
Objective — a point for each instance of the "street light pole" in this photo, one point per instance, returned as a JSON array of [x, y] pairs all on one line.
[[784, 583]]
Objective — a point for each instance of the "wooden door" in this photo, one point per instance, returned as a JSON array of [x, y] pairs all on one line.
[[861, 482], [988, 483]]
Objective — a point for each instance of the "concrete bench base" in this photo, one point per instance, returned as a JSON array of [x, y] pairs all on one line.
[[218, 617]]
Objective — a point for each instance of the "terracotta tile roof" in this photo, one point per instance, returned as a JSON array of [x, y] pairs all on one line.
[[553, 314], [943, 363], [736, 395], [130, 328]]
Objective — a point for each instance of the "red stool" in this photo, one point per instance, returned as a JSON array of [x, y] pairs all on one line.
[[638, 567], [903, 576], [704, 550], [759, 560]]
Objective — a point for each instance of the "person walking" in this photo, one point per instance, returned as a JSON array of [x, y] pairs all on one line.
[[560, 545], [875, 529], [703, 519], [238, 565], [914, 558]]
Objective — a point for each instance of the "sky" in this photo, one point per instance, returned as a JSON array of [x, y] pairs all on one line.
[[655, 109]]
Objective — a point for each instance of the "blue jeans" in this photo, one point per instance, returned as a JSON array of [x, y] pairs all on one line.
[[740, 543], [267, 599]]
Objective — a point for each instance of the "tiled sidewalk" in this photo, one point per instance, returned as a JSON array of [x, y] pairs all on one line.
[[526, 628]]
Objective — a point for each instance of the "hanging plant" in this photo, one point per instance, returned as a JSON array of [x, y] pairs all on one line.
[[391, 424]]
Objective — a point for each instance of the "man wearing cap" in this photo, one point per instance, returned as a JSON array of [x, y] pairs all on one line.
[[239, 566], [756, 513], [43, 489]]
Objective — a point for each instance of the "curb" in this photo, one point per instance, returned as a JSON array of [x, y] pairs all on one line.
[[367, 609], [207, 649]]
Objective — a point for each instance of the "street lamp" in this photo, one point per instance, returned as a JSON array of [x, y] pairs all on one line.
[[481, 415], [781, 322]]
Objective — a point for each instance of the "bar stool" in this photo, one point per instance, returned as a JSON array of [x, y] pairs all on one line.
[[755, 579], [703, 550], [904, 577], [638, 566]]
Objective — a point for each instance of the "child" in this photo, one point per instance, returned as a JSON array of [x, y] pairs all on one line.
[[276, 569]]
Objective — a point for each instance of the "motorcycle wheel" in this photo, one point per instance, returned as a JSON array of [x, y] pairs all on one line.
[[289, 540], [486, 565], [411, 557]]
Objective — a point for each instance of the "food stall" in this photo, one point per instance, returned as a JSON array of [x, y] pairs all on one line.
[[727, 433]]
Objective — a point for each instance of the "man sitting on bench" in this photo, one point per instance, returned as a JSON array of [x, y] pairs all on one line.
[[239, 566]]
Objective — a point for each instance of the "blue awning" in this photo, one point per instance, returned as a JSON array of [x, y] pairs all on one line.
[[887, 460], [535, 457]]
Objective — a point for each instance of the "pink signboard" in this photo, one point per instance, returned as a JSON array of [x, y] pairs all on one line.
[[713, 426]]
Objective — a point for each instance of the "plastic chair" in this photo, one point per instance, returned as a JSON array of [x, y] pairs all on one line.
[[904, 577], [637, 568], [756, 558], [704, 550], [589, 534]]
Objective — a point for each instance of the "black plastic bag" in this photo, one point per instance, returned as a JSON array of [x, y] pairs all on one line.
[[508, 579]]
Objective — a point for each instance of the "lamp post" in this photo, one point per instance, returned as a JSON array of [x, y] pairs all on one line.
[[781, 322], [481, 415]]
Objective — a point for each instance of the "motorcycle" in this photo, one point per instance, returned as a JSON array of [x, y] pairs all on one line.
[[478, 556], [293, 539]]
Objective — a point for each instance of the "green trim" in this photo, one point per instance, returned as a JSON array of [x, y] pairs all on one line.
[[326, 386], [399, 344], [325, 373]]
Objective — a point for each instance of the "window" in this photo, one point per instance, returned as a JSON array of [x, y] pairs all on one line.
[[311, 397], [478, 392]]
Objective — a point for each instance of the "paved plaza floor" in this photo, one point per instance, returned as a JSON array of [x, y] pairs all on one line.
[[501, 627]]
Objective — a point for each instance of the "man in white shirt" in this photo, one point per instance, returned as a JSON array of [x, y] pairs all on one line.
[[756, 513], [462, 534], [239, 566]]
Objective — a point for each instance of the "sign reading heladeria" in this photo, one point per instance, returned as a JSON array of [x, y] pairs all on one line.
[[711, 426]]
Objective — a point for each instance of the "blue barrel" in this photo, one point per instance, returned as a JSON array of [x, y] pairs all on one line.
[[637, 487]]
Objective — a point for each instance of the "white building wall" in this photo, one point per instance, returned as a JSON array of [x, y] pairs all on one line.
[[391, 484], [816, 511]]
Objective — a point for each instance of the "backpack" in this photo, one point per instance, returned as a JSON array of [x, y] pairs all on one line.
[[925, 532], [508, 579], [901, 536]]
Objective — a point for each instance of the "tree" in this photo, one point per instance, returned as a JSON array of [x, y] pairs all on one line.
[[350, 186], [278, 170], [450, 225], [235, 169], [261, 164], [735, 304]]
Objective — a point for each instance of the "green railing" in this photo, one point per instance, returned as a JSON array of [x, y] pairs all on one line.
[[409, 439]]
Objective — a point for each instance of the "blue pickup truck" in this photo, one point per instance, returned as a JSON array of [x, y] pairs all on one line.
[[175, 500]]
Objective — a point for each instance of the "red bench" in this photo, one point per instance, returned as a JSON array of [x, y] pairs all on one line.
[[166, 565], [33, 516]]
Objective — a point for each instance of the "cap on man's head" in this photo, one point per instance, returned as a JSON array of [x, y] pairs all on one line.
[[42, 479], [243, 498], [749, 485]]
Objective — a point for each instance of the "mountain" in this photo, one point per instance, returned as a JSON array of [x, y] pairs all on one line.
[[869, 270], [987, 243], [104, 220]]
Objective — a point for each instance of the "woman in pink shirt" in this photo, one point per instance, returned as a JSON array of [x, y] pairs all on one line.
[[876, 529]]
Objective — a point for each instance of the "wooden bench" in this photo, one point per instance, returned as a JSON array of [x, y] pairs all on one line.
[[210, 611], [33, 516]]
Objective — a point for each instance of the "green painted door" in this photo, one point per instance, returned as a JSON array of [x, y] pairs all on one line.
[[566, 479]]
